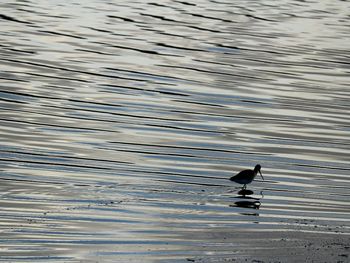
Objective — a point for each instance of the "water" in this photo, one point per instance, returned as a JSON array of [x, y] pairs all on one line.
[[122, 121]]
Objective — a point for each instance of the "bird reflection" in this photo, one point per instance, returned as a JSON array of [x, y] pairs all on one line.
[[248, 204], [244, 192], [246, 200]]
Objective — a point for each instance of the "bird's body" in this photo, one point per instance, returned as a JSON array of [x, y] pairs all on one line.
[[246, 176]]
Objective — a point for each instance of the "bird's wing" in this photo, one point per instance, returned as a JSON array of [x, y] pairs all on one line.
[[240, 175]]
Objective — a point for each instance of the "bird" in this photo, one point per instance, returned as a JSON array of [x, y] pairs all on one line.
[[246, 176]]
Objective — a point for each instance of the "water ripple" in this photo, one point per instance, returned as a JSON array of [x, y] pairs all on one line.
[[122, 122]]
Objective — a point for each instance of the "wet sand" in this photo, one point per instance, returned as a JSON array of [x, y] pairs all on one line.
[[121, 124]]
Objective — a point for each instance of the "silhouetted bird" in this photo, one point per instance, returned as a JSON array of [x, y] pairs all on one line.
[[246, 176]]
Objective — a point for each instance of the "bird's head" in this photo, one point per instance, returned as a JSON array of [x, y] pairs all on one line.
[[257, 169]]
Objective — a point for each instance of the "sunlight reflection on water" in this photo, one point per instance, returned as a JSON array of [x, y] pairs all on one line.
[[122, 122]]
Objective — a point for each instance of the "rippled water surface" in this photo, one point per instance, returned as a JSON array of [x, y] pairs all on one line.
[[121, 122]]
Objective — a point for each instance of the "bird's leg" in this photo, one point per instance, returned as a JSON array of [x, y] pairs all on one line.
[[244, 187]]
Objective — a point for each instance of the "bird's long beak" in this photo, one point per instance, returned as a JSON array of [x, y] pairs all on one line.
[[261, 175]]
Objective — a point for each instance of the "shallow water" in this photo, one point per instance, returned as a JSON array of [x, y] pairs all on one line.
[[121, 123]]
